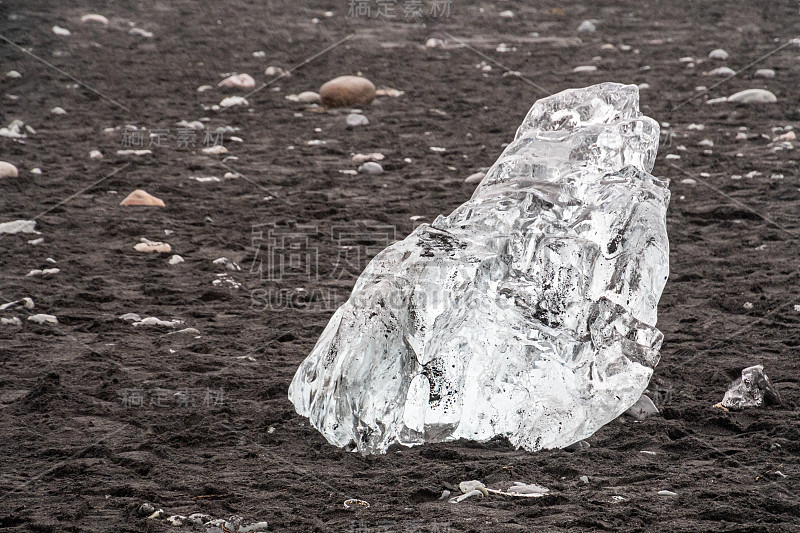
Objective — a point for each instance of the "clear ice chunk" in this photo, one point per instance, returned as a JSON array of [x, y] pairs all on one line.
[[753, 389], [528, 312]]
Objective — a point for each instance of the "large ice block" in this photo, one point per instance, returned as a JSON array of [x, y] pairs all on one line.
[[528, 312]]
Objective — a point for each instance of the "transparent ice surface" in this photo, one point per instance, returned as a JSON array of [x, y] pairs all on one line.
[[527, 312]]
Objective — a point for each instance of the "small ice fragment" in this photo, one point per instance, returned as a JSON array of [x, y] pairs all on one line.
[[43, 319], [18, 226], [753, 389], [643, 408]]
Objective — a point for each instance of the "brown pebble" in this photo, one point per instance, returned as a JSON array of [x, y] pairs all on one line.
[[140, 197], [346, 91]]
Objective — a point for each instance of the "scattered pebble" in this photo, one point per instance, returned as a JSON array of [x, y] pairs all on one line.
[[276, 71], [764, 73], [43, 319], [667, 493], [748, 305], [719, 53], [585, 68], [141, 197], [155, 321], [227, 263], [93, 17], [139, 32], [14, 321], [239, 81], [13, 74], [672, 156], [95, 154], [44, 272], [309, 97], [150, 247], [753, 96], [647, 452], [134, 152], [260, 54], [438, 149], [392, 93], [347, 91], [587, 26], [475, 178], [585, 479], [217, 149], [175, 259], [786, 137], [7, 170], [375, 156], [354, 119], [721, 71], [370, 167], [205, 179], [58, 30], [434, 43], [231, 101], [58, 111], [689, 181], [133, 317], [26, 302], [706, 142], [507, 14]]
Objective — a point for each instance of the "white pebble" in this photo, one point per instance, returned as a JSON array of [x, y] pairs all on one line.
[[748, 305], [721, 71], [434, 43], [260, 54], [667, 493], [308, 97], [354, 119], [706, 142], [217, 149], [233, 101], [13, 74], [764, 73], [139, 32], [438, 149], [370, 167], [753, 96], [507, 14], [58, 111], [587, 26], [585, 68], [698, 127], [14, 321], [719, 53], [18, 226], [712, 101], [672, 156], [475, 178], [93, 17], [240, 81], [7, 170], [95, 154], [741, 136], [58, 30], [175, 259]]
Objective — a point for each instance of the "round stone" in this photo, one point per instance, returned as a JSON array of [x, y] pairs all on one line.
[[347, 91]]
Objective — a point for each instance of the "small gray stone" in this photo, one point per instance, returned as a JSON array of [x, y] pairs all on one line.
[[475, 178]]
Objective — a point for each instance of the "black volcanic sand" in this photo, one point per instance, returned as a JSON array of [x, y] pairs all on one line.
[[75, 457]]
